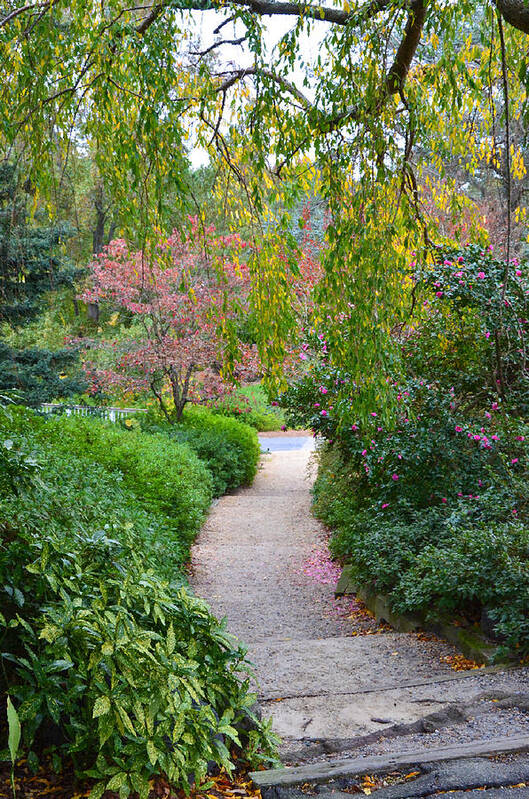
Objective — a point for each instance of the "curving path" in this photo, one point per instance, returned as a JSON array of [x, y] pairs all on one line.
[[324, 670]]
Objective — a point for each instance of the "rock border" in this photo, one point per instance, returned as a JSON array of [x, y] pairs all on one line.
[[471, 642]]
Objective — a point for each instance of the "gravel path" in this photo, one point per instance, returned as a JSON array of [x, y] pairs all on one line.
[[324, 668]]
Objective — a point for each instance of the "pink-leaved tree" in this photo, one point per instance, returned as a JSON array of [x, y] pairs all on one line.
[[189, 292]]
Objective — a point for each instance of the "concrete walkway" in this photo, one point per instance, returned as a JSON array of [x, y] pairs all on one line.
[[323, 670]]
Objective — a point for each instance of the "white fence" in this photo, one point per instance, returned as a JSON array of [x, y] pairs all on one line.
[[114, 414]]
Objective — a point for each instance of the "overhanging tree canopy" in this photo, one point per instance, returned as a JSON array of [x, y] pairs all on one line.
[[394, 86]]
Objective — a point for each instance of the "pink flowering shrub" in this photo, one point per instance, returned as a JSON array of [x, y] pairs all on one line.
[[431, 503]]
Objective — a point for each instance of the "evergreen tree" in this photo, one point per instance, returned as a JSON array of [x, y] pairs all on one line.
[[30, 266]]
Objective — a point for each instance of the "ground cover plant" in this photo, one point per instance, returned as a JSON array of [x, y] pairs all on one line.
[[108, 658], [430, 505]]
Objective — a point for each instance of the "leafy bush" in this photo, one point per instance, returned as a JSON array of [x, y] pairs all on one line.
[[223, 458], [228, 448], [428, 498], [227, 431], [167, 477], [105, 660]]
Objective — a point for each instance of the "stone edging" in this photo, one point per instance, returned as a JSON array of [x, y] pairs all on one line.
[[472, 643]]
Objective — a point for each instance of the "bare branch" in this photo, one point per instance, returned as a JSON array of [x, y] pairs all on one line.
[[279, 79], [220, 43], [22, 10]]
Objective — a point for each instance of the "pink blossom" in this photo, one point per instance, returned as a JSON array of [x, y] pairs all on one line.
[[476, 437], [520, 438], [458, 429], [373, 413], [488, 415], [495, 438], [494, 406], [518, 273], [481, 275], [438, 293], [444, 500], [394, 477], [322, 390], [385, 505], [364, 452], [316, 405], [354, 427], [514, 460], [487, 334], [302, 356]]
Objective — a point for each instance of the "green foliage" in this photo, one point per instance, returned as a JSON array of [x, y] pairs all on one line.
[[233, 432], [38, 375], [167, 477], [250, 405], [431, 505], [107, 661], [30, 258], [31, 264]]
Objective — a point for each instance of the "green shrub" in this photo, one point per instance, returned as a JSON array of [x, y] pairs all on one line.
[[228, 431], [223, 458], [166, 476], [105, 660]]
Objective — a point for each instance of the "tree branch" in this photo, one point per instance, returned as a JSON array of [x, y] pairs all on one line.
[[515, 13]]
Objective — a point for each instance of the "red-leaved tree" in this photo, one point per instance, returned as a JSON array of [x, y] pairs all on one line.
[[188, 292]]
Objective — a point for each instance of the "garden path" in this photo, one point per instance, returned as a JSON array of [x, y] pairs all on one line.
[[324, 668]]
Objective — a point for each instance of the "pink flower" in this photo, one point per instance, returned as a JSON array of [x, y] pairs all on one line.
[[518, 273], [495, 438], [476, 437], [385, 505], [302, 356], [444, 500], [481, 275], [354, 427], [514, 511], [373, 413], [283, 427], [364, 452], [438, 293], [488, 415], [458, 429], [514, 460], [487, 334], [316, 405], [494, 406], [324, 413], [322, 390], [394, 477], [520, 438]]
